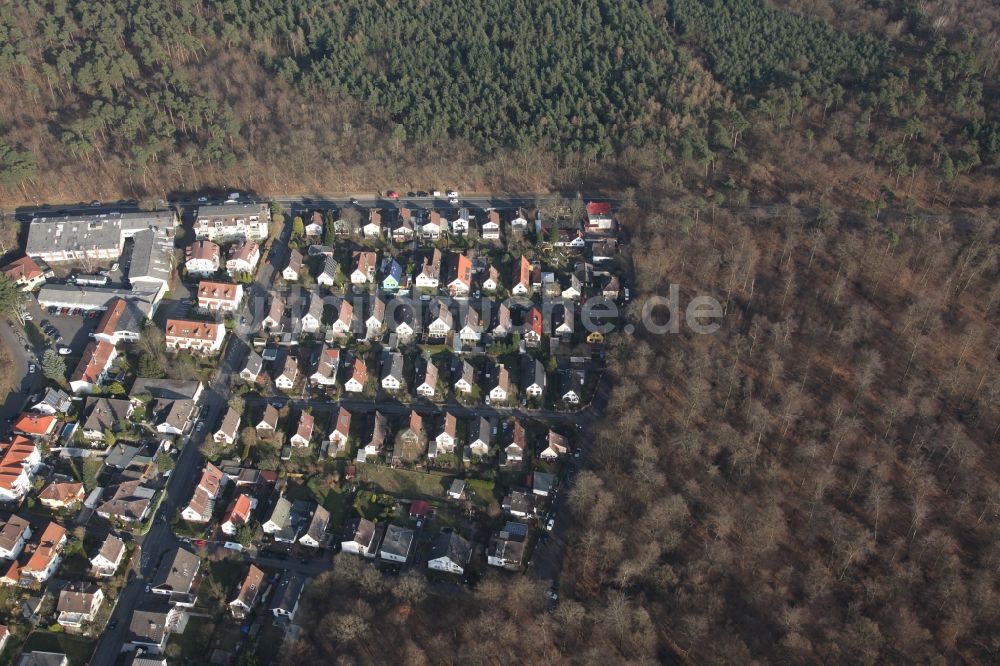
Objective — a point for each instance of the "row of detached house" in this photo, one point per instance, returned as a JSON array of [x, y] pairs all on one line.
[[436, 436], [335, 367], [437, 320], [406, 223], [392, 543], [461, 274]]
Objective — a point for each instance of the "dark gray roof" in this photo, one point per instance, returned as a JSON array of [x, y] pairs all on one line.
[[542, 482], [152, 256], [230, 209], [99, 231], [167, 389], [532, 372], [254, 363], [149, 622], [398, 540], [452, 546], [392, 365], [122, 455], [105, 413], [287, 591], [177, 571], [480, 430], [38, 658]]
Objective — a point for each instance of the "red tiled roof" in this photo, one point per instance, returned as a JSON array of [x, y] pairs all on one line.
[[599, 208], [192, 330], [305, 428], [463, 270], [62, 492], [48, 548], [419, 508], [365, 260], [35, 424], [109, 320], [211, 480], [217, 290], [243, 251], [96, 359], [239, 510], [343, 422], [360, 371], [202, 249], [536, 320], [24, 268], [525, 272]]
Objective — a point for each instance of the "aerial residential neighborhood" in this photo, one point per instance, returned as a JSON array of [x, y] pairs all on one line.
[[242, 404], [499, 332]]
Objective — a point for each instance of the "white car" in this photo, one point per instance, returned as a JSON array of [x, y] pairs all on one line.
[[202, 199], [234, 195], [452, 194], [453, 201], [114, 267], [549, 525], [32, 368], [436, 193], [28, 316], [65, 351]]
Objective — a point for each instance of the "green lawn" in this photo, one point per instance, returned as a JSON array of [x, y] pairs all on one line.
[[405, 483], [77, 650], [484, 491]]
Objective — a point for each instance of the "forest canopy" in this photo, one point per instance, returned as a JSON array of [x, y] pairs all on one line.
[[324, 94]]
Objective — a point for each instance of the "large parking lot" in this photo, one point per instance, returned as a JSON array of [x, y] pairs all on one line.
[[74, 330]]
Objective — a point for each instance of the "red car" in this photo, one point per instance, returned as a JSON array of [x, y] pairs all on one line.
[[393, 195], [200, 543]]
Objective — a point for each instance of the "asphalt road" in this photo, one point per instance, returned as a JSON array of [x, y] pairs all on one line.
[[160, 538], [25, 383], [301, 202]]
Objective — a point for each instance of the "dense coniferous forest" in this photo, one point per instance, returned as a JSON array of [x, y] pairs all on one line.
[[828, 101]]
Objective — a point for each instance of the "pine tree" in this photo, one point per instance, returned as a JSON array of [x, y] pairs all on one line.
[[53, 365], [11, 300]]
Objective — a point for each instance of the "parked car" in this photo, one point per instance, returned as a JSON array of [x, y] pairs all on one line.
[[393, 194], [31, 368], [65, 351], [550, 525], [28, 316], [452, 194]]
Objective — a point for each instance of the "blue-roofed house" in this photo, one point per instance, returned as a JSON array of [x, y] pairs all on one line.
[[392, 273]]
